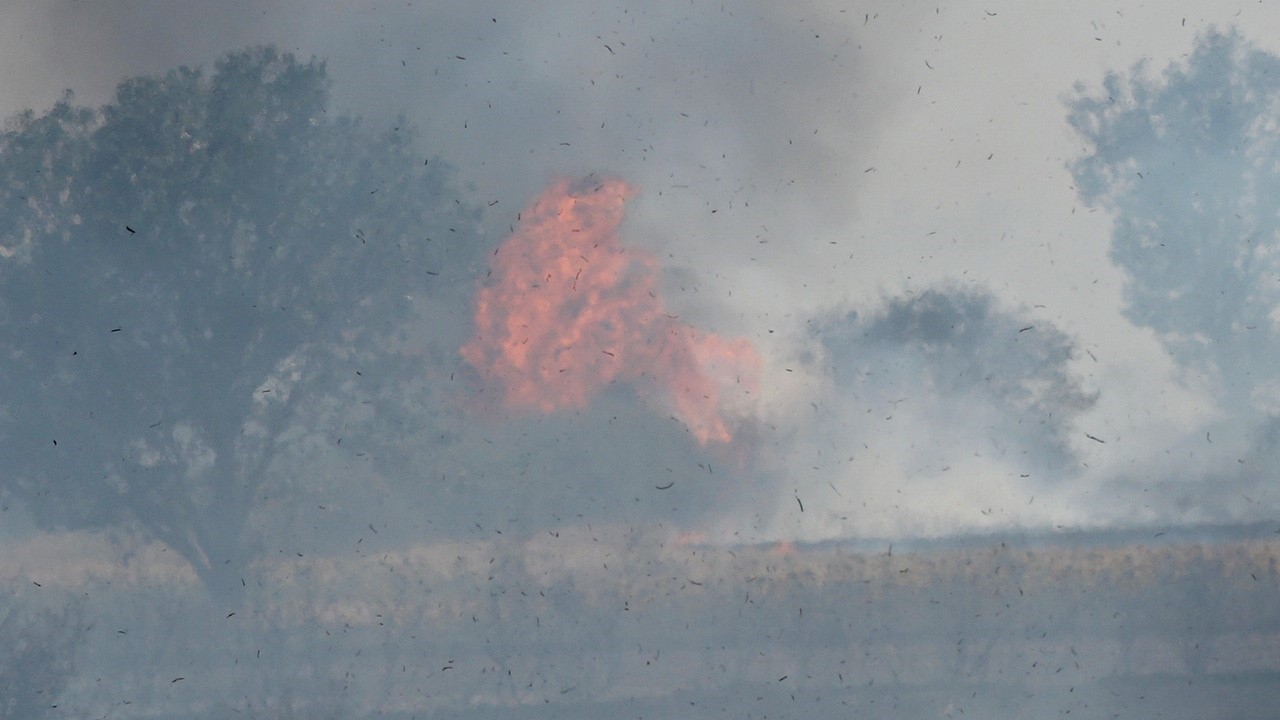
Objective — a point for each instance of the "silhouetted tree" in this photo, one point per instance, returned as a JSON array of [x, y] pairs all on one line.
[[1189, 164], [958, 346], [181, 270]]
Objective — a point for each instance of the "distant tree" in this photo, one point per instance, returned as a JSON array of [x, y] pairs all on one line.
[[182, 270], [1189, 164], [958, 346]]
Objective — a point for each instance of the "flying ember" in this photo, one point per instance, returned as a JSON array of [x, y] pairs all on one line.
[[568, 310]]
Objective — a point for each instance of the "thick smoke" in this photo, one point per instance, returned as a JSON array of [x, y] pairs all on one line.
[[457, 522], [933, 411]]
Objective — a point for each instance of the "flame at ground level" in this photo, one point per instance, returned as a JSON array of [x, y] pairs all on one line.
[[568, 310]]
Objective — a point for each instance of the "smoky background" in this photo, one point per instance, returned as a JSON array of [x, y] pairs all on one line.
[[1003, 457]]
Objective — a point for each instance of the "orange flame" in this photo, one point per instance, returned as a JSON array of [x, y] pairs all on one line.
[[570, 310]]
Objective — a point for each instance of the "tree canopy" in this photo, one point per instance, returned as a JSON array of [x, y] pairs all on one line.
[[180, 269], [1188, 162], [959, 347]]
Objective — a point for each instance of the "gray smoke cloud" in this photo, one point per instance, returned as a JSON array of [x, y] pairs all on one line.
[[678, 100], [764, 185], [986, 317]]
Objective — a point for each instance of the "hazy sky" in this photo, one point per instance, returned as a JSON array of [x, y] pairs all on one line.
[[794, 162]]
